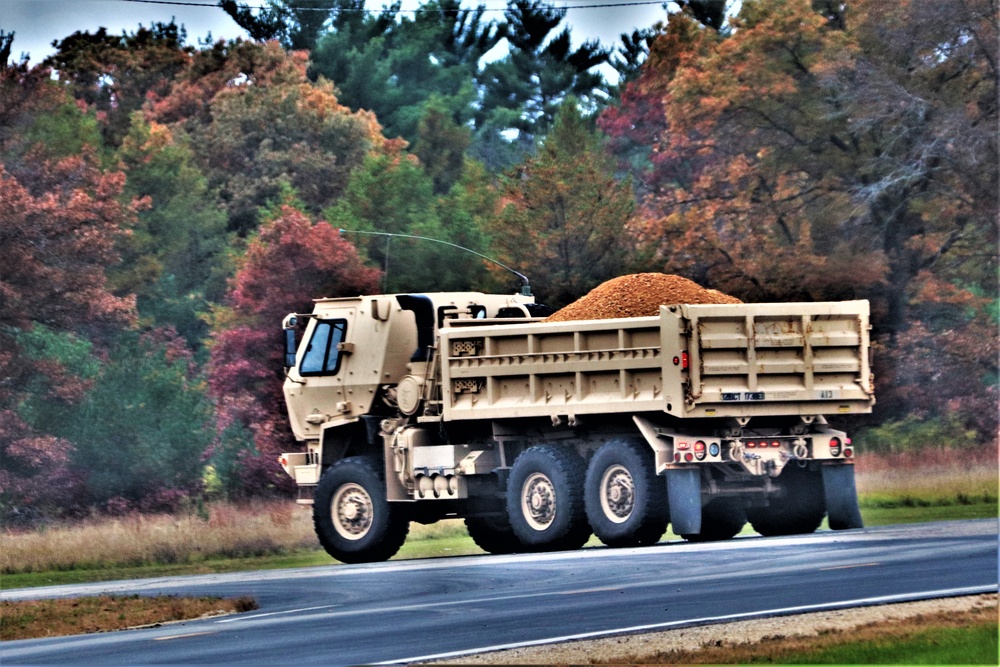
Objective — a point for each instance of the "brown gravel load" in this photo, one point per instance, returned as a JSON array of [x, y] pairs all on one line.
[[637, 295]]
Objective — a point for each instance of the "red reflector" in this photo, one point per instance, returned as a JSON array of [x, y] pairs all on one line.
[[688, 457], [776, 444], [282, 460], [848, 452], [751, 444], [684, 360], [835, 446], [677, 361], [677, 457]]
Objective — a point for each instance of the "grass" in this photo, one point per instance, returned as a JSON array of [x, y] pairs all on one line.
[[55, 618], [955, 638], [279, 534]]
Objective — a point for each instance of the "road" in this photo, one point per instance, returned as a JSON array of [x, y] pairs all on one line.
[[403, 611]]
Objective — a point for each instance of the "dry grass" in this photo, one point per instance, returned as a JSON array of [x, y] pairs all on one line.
[[933, 477], [56, 618], [230, 530]]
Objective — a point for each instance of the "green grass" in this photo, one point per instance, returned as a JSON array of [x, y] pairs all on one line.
[[936, 646]]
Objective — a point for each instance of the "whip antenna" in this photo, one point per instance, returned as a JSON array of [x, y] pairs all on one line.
[[525, 288]]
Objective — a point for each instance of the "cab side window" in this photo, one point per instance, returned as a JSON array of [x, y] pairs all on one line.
[[322, 357]]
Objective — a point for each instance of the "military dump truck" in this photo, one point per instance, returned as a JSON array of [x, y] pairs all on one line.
[[421, 407]]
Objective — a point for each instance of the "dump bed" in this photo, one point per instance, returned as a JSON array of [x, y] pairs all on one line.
[[733, 360]]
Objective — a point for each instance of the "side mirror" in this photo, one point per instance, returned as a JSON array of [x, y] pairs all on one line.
[[289, 348]]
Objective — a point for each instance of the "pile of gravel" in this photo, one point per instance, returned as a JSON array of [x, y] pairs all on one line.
[[638, 295]]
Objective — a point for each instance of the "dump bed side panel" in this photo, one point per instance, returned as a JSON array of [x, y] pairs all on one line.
[[552, 369], [766, 359], [733, 360]]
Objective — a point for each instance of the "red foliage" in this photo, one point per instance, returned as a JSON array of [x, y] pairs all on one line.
[[288, 264], [58, 225]]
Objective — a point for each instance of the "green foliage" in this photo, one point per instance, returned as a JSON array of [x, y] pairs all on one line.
[[395, 195], [143, 425], [566, 221], [914, 434], [66, 131], [177, 246], [393, 64], [523, 91]]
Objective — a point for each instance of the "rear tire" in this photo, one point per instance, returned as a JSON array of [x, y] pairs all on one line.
[[493, 534], [800, 510], [354, 521], [721, 519], [545, 499], [626, 502]]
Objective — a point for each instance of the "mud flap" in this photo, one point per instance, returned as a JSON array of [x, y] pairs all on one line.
[[684, 497], [841, 497]]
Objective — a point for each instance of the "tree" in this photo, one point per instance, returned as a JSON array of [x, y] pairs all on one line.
[[523, 91], [114, 74], [59, 222], [296, 25], [256, 124], [565, 222], [174, 253], [393, 65], [140, 428], [813, 156], [287, 264], [393, 194]]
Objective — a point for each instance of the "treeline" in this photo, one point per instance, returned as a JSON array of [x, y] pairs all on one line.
[[163, 205]]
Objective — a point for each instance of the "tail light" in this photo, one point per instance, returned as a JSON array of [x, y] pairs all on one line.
[[699, 450], [835, 446], [688, 457]]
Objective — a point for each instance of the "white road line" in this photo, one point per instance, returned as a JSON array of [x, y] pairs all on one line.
[[277, 613], [864, 602]]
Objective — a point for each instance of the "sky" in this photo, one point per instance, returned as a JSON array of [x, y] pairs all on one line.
[[36, 23]]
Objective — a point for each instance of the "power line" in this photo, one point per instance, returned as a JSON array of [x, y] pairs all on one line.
[[601, 5]]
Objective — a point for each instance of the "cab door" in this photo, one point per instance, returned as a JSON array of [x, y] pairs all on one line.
[[316, 390]]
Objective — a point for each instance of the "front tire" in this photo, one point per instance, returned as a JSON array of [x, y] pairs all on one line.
[[354, 521], [545, 499], [800, 510], [626, 502]]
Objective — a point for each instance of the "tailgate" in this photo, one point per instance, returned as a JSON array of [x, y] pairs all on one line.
[[749, 360]]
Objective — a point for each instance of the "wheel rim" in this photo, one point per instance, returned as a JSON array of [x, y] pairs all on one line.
[[352, 511], [538, 501], [617, 494]]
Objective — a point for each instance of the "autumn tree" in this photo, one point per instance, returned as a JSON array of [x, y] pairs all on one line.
[[287, 264], [256, 124], [58, 225], [565, 220], [823, 157], [113, 74]]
